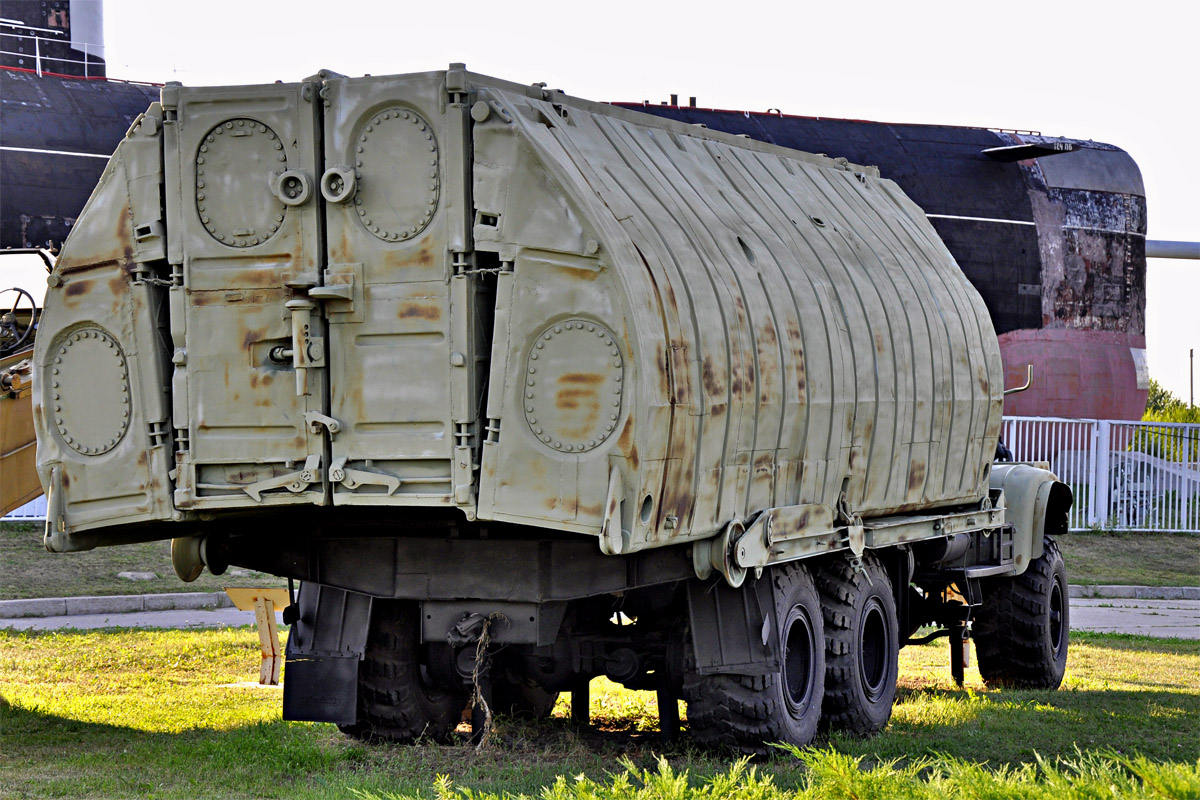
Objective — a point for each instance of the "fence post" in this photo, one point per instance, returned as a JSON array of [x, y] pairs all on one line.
[[1100, 484]]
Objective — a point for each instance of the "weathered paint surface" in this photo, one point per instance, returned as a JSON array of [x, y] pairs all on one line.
[[1052, 243], [535, 309]]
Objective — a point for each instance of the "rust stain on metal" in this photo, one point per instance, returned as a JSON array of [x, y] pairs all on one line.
[[712, 384], [76, 288], [425, 255], [588, 378], [572, 398], [916, 476], [420, 311], [590, 511], [118, 283], [625, 441]]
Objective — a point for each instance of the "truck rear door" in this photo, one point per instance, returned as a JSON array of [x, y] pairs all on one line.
[[401, 354], [242, 165]]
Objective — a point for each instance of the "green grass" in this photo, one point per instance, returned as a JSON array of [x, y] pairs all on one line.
[[164, 714], [28, 570], [1142, 559]]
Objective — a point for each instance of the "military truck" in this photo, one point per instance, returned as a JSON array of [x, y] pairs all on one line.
[[519, 390]]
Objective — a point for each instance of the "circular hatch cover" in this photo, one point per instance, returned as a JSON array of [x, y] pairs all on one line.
[[396, 168], [234, 164], [89, 391], [574, 376]]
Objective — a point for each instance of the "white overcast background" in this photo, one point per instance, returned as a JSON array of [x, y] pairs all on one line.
[[1124, 73]]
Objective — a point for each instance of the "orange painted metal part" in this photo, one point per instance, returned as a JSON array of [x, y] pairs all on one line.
[[18, 478]]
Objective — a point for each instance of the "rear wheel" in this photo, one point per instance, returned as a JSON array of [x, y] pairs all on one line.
[[862, 645], [747, 711], [1022, 628], [396, 701]]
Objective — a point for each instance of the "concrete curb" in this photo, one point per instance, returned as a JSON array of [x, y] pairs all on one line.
[[113, 604], [192, 601], [1137, 592]]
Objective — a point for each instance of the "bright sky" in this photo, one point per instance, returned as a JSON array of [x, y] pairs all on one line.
[[1119, 72]]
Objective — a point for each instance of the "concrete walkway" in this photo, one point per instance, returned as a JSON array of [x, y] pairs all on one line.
[[1161, 618], [1144, 610]]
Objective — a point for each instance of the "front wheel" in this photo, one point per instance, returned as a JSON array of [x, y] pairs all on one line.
[[746, 712], [1022, 628]]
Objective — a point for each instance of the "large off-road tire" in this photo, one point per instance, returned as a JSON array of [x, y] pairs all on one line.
[[396, 702], [746, 712], [1022, 628], [862, 645]]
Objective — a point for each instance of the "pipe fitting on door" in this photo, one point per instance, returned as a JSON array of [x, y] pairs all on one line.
[[338, 184], [293, 188]]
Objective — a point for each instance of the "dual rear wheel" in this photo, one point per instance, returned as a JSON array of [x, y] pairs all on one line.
[[838, 644]]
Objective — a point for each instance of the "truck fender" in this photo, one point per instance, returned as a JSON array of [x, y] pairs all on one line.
[[1036, 505]]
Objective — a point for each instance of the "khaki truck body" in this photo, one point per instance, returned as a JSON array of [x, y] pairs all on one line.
[[470, 358]]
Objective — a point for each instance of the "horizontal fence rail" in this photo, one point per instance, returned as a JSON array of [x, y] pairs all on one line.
[[1135, 476]]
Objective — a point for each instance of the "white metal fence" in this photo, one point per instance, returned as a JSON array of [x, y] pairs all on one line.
[[1137, 476], [33, 511], [1125, 475]]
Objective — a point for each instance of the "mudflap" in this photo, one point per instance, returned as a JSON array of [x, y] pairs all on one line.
[[325, 645], [733, 630]]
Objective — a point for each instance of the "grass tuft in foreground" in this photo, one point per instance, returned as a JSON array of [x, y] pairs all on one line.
[[839, 776]]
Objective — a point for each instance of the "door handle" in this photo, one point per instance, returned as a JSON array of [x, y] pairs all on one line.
[[308, 351]]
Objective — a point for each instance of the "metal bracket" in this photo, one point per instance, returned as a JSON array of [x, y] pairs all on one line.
[[721, 553], [335, 291]]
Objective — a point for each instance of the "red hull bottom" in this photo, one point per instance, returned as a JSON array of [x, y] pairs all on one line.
[[1076, 374]]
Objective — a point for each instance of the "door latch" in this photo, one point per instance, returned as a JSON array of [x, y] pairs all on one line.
[[317, 420], [354, 478], [294, 482]]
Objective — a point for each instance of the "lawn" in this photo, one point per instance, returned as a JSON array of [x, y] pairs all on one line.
[[1140, 559], [168, 714], [27, 570]]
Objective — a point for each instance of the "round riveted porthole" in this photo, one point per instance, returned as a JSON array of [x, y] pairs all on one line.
[[236, 162], [574, 384], [396, 167], [88, 392]]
